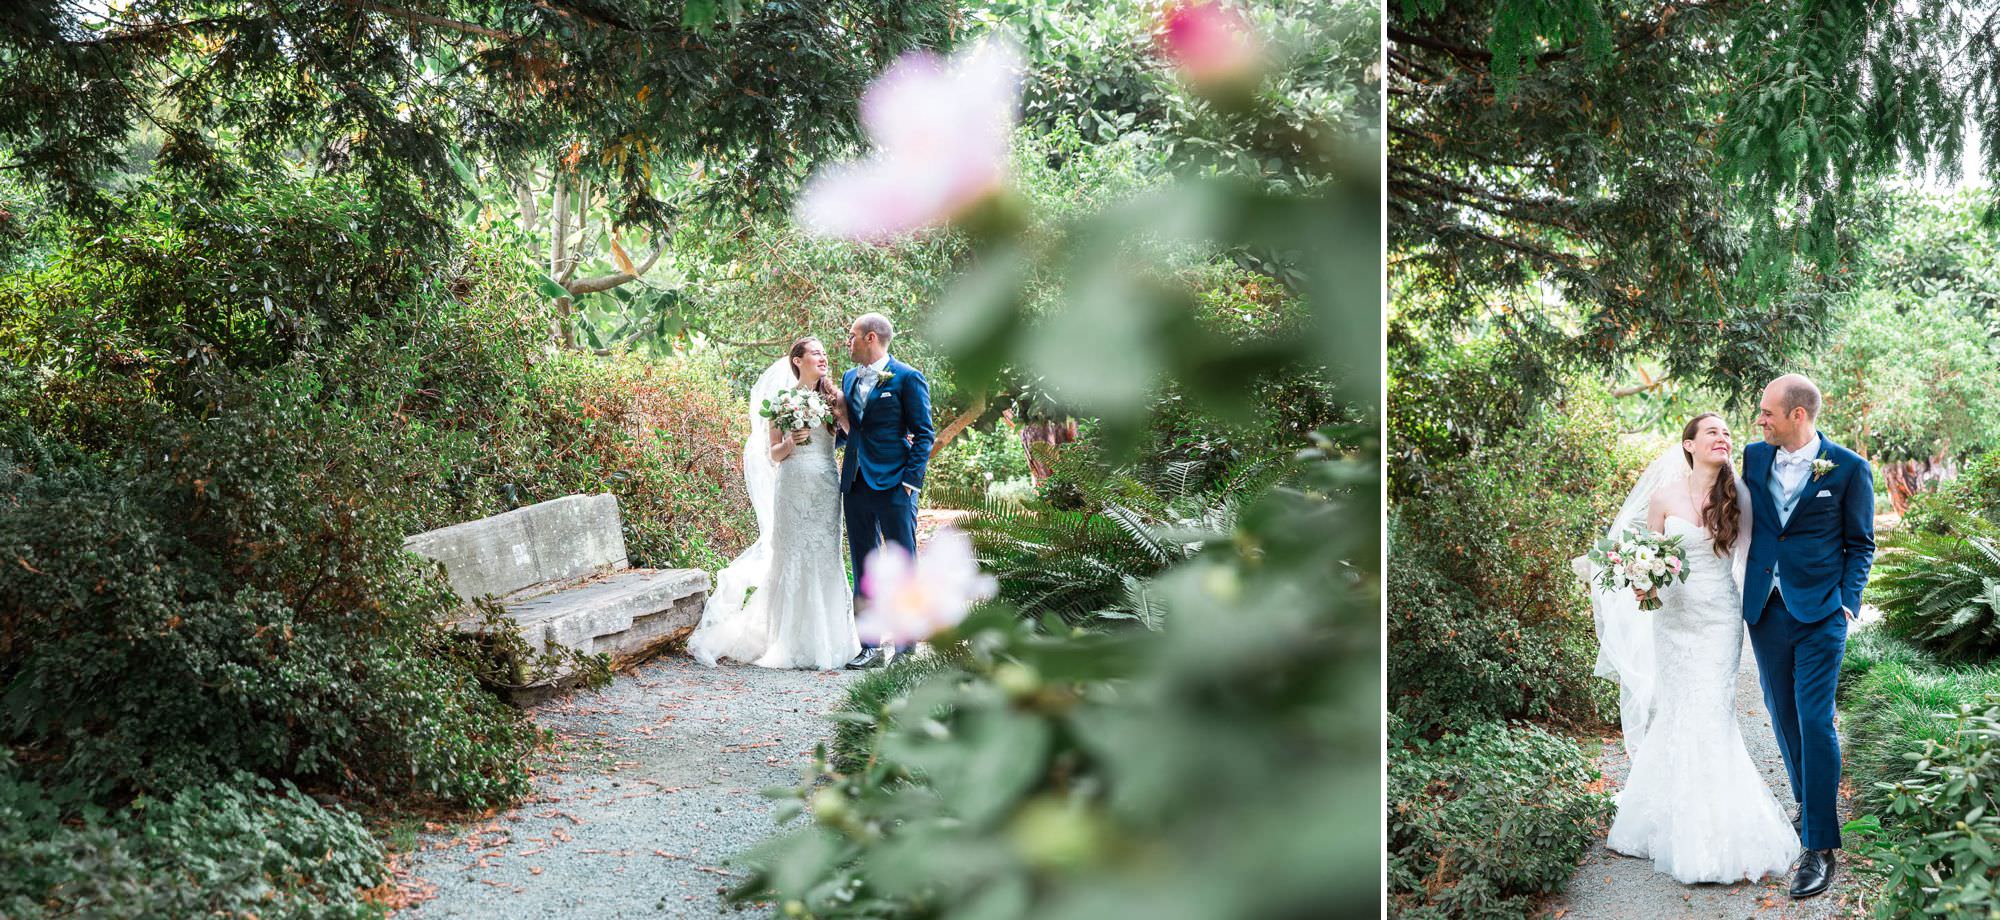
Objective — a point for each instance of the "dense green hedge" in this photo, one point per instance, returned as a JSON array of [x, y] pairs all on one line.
[[217, 423], [244, 847], [1487, 617], [1922, 750], [1485, 822]]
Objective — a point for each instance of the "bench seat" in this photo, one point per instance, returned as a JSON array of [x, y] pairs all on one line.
[[559, 570]]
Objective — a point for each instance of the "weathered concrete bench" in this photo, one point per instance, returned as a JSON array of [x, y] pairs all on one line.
[[559, 570]]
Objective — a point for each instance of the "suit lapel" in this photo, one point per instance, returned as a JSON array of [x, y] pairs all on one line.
[[1798, 496], [889, 370]]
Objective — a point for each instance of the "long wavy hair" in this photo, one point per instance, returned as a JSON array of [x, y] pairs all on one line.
[[824, 387], [1722, 518]]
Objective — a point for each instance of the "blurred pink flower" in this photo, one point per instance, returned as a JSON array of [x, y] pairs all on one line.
[[942, 130], [1209, 41], [906, 600]]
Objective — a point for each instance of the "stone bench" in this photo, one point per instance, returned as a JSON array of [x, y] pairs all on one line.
[[559, 571]]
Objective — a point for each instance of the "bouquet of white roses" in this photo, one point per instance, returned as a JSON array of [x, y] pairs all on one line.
[[792, 410], [1640, 561]]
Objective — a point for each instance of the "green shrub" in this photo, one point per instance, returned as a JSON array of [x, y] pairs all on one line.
[[245, 847], [1135, 523], [1484, 823], [1216, 769], [218, 422], [1941, 854], [1975, 493], [232, 602], [1942, 590], [1921, 747], [964, 472], [869, 706], [1460, 662], [1480, 579], [1895, 699]]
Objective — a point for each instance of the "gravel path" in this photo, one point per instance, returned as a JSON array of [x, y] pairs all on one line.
[[656, 785], [1613, 887]]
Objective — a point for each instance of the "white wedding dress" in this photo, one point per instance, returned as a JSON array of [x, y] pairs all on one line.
[[784, 603], [1693, 801]]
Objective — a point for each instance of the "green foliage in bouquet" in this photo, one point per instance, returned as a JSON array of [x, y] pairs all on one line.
[[1942, 590], [1215, 769], [1484, 823], [1613, 558]]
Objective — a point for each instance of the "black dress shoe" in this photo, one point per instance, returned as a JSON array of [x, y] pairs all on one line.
[[1815, 873], [869, 658]]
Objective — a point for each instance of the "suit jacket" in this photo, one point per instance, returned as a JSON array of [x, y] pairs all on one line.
[[1823, 552], [891, 441]]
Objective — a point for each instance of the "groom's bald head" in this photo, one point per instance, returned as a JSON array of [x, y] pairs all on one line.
[[1788, 410]]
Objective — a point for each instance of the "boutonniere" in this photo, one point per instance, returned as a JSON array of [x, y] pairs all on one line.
[[882, 379], [1821, 466]]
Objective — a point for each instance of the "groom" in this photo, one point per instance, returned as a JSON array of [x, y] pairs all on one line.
[[888, 449], [1812, 540]]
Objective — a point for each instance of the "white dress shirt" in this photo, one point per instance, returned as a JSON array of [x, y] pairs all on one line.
[[864, 381], [1789, 471]]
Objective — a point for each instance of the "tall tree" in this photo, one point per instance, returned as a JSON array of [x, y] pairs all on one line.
[[1554, 175], [652, 106], [1677, 175]]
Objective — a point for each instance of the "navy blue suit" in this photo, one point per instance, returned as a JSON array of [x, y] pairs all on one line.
[[1819, 542], [888, 447]]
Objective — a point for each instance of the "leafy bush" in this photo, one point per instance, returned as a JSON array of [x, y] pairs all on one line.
[[1483, 823], [1452, 400], [244, 847], [217, 423], [1896, 698], [1138, 522], [963, 473], [872, 701], [1943, 589], [1459, 662], [1489, 620], [1921, 746], [1216, 769], [1975, 493], [1941, 856]]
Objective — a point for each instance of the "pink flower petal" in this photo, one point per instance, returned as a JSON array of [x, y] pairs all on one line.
[[941, 130], [1207, 40]]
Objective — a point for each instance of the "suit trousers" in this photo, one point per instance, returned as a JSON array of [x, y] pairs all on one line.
[[873, 517], [1800, 666]]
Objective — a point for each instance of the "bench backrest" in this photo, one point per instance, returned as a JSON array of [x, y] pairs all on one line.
[[552, 541]]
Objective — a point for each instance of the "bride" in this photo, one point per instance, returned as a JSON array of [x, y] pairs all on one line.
[[784, 603], [1693, 801]]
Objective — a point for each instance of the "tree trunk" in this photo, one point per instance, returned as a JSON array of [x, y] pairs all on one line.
[[959, 424], [559, 211]]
